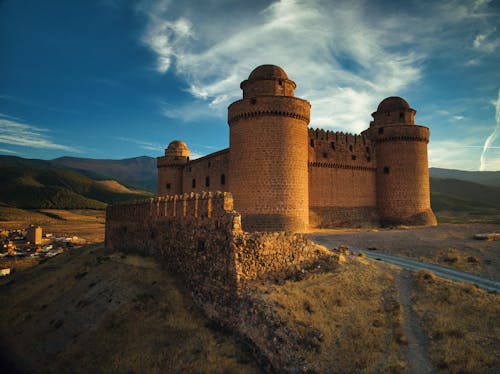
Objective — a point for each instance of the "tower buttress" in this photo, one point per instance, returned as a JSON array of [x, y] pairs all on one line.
[[170, 168], [268, 173], [403, 192]]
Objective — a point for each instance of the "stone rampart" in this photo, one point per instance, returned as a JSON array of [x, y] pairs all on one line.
[[199, 237]]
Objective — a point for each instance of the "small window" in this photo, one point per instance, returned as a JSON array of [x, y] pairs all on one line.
[[350, 147], [280, 83], [168, 186], [207, 182], [353, 157], [401, 115], [333, 145], [312, 143], [193, 183], [367, 149], [368, 158], [381, 130], [387, 169], [223, 179], [209, 164], [201, 245], [253, 101], [325, 155]]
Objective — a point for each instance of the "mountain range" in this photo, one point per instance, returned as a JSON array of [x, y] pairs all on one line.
[[32, 184], [70, 182]]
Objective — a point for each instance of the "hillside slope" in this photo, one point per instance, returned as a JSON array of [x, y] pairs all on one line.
[[448, 193], [138, 171], [489, 178], [92, 311], [38, 184]]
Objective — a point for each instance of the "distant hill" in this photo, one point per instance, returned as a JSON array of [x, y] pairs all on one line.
[[489, 178], [139, 172], [39, 184], [472, 193]]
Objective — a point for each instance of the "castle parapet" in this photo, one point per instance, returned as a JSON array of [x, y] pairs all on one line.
[[200, 206]]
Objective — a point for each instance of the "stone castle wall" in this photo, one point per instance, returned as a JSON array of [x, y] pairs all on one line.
[[209, 173], [199, 237], [342, 180]]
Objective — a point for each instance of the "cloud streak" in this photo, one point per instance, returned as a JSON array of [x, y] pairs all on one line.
[[490, 139], [150, 146], [16, 133]]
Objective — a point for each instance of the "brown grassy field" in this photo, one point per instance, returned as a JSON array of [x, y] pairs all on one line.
[[86, 224], [345, 320], [460, 322]]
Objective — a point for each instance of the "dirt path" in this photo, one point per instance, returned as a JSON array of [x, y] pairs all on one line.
[[416, 354]]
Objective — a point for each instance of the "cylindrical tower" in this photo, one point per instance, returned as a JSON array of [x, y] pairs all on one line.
[[403, 192], [268, 153], [170, 168]]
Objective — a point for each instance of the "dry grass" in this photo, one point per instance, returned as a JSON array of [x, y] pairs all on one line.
[[345, 320], [461, 323], [92, 311], [458, 259], [86, 224]]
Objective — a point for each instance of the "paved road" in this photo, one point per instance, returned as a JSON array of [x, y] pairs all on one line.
[[442, 271]]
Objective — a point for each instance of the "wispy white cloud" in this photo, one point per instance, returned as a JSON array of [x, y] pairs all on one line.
[[150, 146], [487, 41], [454, 154], [3, 150], [342, 61], [21, 134], [493, 136]]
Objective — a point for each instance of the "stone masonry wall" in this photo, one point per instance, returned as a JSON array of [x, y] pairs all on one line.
[[342, 180], [209, 173], [199, 237]]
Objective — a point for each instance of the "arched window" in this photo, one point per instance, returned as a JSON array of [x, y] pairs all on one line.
[[222, 179]]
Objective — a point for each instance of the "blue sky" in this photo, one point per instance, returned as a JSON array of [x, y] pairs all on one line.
[[117, 78]]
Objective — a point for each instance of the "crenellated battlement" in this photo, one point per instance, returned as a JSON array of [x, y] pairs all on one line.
[[205, 205], [339, 137], [341, 148]]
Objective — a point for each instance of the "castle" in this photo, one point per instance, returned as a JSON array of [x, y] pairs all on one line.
[[286, 177]]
